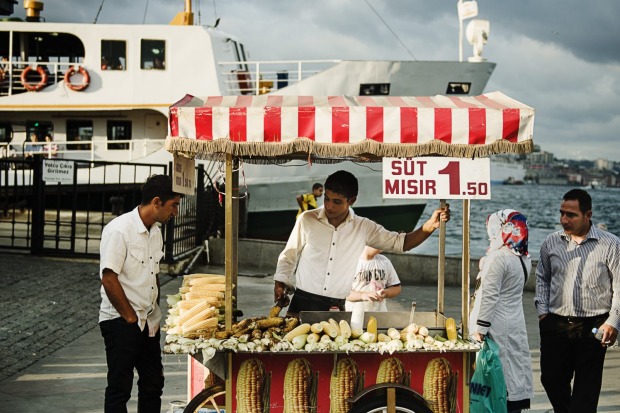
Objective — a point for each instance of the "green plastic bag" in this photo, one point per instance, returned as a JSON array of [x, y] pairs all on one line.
[[487, 391]]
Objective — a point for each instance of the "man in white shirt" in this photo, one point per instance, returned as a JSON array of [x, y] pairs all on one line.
[[129, 316], [320, 257]]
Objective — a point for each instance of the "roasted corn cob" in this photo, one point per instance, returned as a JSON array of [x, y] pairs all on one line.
[[391, 370], [250, 386], [345, 382], [297, 381], [438, 385]]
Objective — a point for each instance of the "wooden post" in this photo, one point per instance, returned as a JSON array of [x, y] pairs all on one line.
[[465, 270], [230, 260], [441, 267]]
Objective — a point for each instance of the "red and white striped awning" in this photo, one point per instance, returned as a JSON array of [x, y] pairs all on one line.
[[344, 126]]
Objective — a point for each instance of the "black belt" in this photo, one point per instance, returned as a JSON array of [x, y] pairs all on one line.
[[572, 319], [320, 298]]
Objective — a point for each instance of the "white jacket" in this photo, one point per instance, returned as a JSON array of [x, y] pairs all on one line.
[[499, 301]]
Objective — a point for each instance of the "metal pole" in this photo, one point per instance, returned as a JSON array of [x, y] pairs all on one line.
[[465, 270]]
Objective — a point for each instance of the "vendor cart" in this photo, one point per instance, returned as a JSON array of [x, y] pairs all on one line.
[[234, 129]]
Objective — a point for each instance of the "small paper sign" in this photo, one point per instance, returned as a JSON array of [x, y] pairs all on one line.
[[55, 170], [467, 9], [183, 175]]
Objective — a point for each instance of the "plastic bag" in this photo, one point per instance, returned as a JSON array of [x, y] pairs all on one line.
[[487, 391]]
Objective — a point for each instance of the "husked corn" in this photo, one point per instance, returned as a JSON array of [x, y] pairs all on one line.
[[269, 322], [207, 287], [436, 384], [200, 325], [391, 370], [345, 382], [297, 381], [196, 309], [250, 386], [202, 315], [216, 279]]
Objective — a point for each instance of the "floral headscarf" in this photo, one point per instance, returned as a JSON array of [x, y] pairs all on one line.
[[508, 228]]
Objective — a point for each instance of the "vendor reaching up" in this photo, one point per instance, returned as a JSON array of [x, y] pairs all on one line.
[[320, 257]]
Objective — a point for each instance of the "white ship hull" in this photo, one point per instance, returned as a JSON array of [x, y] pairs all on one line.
[[502, 171], [121, 115]]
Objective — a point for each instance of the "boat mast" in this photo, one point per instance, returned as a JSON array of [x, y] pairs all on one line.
[[184, 18]]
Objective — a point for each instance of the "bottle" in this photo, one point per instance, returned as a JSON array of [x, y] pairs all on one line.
[[598, 333]]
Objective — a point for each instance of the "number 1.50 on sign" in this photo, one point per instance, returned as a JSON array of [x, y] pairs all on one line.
[[436, 178]]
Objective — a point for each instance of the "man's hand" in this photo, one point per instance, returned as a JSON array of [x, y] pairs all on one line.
[[439, 215], [279, 294], [610, 334], [478, 337]]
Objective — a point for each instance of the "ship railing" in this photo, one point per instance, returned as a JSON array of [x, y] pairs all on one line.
[[10, 81], [260, 77], [128, 150]]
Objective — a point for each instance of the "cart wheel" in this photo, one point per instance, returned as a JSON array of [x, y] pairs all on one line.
[[378, 405], [207, 396]]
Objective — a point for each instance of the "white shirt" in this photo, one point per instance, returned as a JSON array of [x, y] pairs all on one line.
[[372, 275], [132, 252], [321, 259]]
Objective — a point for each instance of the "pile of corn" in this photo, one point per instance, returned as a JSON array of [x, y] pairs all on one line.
[[196, 309], [286, 334]]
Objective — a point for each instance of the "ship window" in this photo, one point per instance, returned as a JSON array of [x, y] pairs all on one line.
[[40, 128], [458, 88], [374, 89], [113, 55], [119, 130], [153, 54], [79, 131], [6, 132]]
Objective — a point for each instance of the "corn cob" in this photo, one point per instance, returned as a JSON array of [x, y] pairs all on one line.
[[335, 325], [371, 327], [213, 301], [297, 387], [207, 287], [269, 322], [291, 323], [197, 309], [316, 328], [200, 325], [299, 330], [451, 329], [438, 386], [329, 329], [345, 329], [250, 386], [202, 315], [345, 382], [275, 311], [241, 325], [218, 279], [391, 370]]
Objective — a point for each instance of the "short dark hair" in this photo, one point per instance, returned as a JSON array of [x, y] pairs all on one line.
[[343, 183], [317, 186], [158, 186], [584, 199]]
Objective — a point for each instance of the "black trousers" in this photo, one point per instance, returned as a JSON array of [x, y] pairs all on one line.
[[126, 348], [305, 301], [569, 351]]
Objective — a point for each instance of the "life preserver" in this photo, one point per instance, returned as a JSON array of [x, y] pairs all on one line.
[[85, 79], [34, 87], [2, 74]]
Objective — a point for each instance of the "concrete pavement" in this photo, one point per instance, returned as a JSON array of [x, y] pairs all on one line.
[[51, 352]]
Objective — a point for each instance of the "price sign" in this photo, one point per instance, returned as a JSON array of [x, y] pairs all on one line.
[[437, 178], [183, 176]]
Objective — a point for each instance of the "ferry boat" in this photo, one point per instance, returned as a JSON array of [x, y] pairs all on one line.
[[102, 92]]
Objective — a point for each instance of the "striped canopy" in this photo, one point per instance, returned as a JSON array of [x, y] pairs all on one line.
[[363, 127]]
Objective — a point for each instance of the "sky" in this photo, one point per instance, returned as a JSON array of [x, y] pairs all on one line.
[[561, 57]]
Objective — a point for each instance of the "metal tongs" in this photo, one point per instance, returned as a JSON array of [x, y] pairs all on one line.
[[412, 312]]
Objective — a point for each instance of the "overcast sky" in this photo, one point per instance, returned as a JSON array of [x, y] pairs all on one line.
[[561, 57]]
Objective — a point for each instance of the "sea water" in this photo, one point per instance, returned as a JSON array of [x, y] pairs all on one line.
[[539, 203]]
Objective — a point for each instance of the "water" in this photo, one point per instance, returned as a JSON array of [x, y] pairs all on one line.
[[539, 203]]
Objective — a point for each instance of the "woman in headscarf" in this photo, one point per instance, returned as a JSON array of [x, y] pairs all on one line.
[[498, 302]]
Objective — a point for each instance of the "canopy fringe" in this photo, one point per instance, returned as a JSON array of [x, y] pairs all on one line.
[[363, 151]]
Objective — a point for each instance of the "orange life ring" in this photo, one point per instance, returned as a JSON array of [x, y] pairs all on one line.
[[34, 87], [85, 79]]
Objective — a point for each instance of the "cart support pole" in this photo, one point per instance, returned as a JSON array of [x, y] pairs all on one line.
[[441, 267], [230, 260], [465, 270]]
